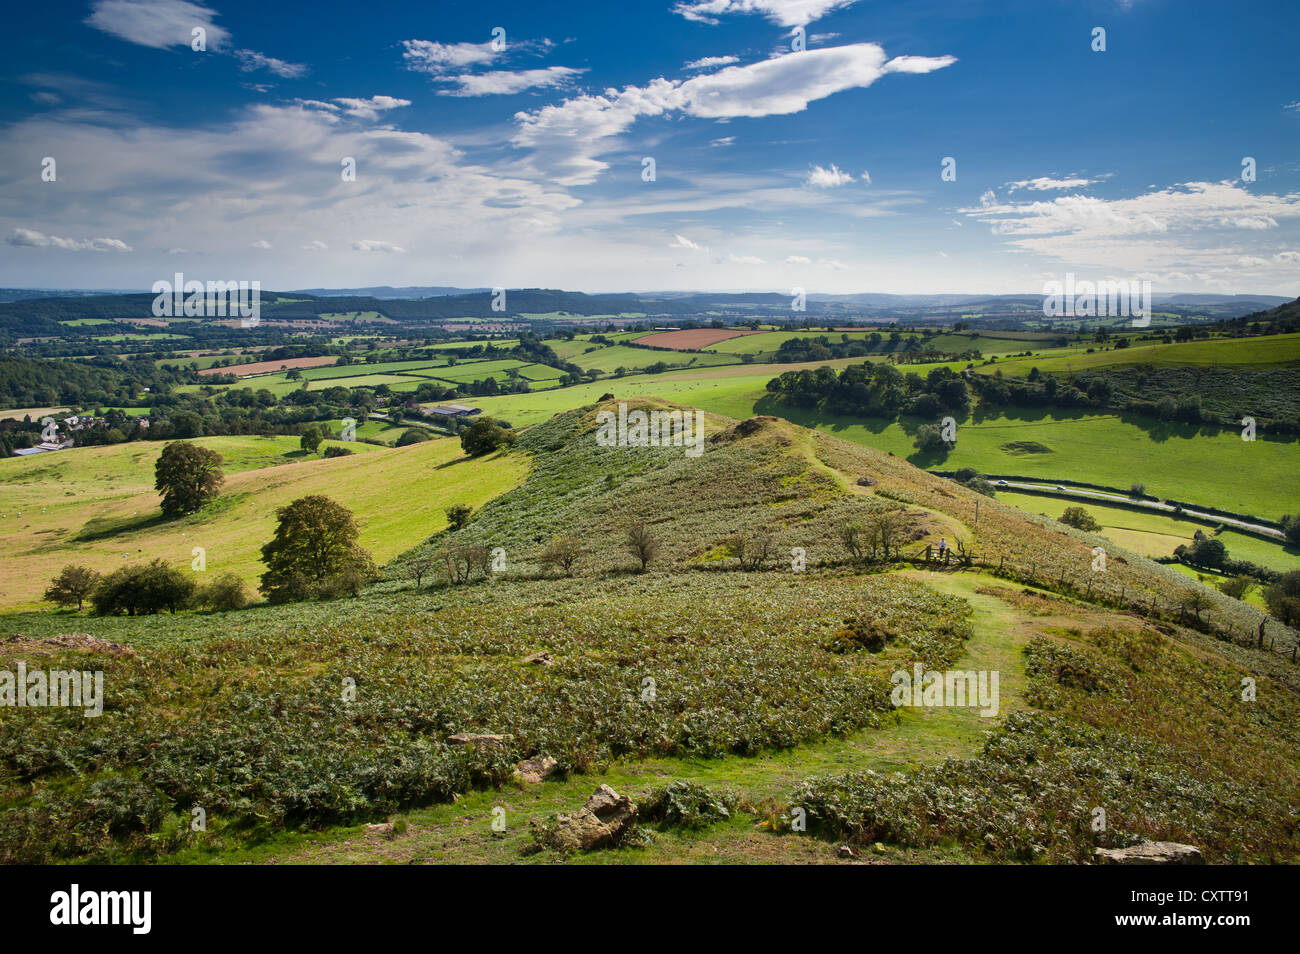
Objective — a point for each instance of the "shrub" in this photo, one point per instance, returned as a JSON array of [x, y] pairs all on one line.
[[484, 436], [563, 553], [642, 544], [929, 439], [334, 450], [1237, 586], [1283, 598], [687, 805], [1080, 519], [226, 592], [311, 439], [414, 435], [74, 584], [458, 515], [143, 589]]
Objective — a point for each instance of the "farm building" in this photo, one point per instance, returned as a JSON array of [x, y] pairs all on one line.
[[455, 410]]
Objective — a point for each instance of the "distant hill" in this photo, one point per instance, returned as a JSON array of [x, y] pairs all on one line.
[[388, 291], [26, 315]]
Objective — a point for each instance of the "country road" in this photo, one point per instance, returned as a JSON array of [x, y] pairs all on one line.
[[1079, 493]]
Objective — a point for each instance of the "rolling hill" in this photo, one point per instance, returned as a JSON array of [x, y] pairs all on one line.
[[750, 693]]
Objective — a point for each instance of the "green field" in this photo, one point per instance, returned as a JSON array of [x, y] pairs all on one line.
[[772, 682], [1274, 351], [611, 357], [464, 372], [1174, 460], [97, 506], [358, 369], [1156, 535]]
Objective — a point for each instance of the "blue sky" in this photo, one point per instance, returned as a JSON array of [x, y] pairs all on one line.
[[521, 163]]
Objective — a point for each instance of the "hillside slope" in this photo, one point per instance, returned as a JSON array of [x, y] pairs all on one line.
[[97, 506], [773, 681]]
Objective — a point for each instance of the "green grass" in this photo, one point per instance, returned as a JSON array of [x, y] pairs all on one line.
[[1274, 351], [609, 358], [97, 505], [1174, 460], [1156, 535], [759, 687], [363, 368]]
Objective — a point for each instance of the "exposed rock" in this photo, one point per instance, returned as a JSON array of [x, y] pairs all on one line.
[[1150, 853], [600, 823], [540, 659], [535, 769], [90, 643], [844, 851], [866, 482], [383, 828], [476, 738], [82, 641]]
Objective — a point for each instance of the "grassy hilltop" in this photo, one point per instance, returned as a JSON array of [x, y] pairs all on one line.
[[771, 684]]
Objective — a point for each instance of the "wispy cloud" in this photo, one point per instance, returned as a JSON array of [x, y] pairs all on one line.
[[30, 238], [504, 82], [374, 245], [566, 138], [709, 62], [788, 13], [1046, 183], [250, 60], [162, 24], [821, 178], [157, 23]]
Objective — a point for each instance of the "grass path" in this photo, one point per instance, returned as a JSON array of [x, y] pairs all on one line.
[[461, 832]]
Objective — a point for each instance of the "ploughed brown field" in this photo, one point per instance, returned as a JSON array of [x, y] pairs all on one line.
[[270, 367], [691, 339]]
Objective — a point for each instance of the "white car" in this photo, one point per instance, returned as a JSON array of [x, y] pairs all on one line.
[[1002, 483]]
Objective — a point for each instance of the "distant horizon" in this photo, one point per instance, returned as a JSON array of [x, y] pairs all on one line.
[[473, 289]]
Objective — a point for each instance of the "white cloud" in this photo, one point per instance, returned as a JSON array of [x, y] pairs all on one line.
[[1045, 183], [709, 62], [316, 245], [745, 260], [374, 245], [371, 107], [567, 137], [820, 178], [30, 238], [789, 13], [505, 82], [681, 241], [261, 244], [250, 60], [723, 141], [428, 56], [1180, 226], [798, 260], [156, 23]]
